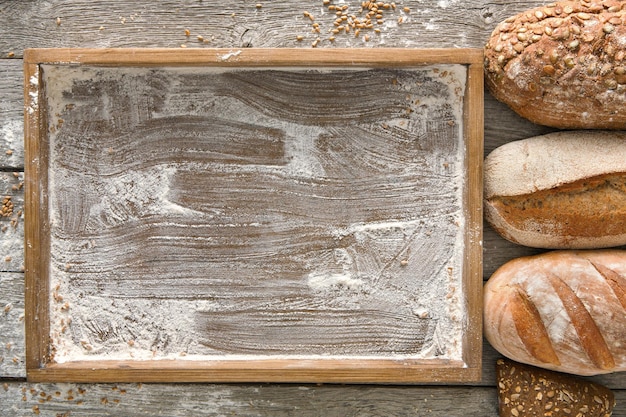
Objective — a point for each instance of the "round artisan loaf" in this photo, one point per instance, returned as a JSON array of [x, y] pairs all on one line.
[[563, 190], [562, 65], [562, 310]]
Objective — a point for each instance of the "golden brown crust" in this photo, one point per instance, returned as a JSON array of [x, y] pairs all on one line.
[[566, 294], [590, 336], [615, 281], [564, 190], [531, 329], [587, 208], [562, 65]]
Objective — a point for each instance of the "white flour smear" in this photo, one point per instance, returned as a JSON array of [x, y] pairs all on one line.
[[405, 268]]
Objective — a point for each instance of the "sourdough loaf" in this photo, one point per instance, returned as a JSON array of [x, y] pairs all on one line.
[[563, 64], [562, 310], [563, 190], [529, 391]]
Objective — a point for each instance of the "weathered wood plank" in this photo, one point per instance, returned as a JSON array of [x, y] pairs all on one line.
[[253, 400], [121, 400], [12, 349], [99, 24], [11, 114], [289, 223], [502, 125], [11, 221], [12, 346]]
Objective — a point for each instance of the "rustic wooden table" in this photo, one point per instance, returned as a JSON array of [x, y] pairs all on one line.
[[231, 24]]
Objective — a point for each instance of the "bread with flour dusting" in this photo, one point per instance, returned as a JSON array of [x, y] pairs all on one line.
[[562, 64], [563, 190], [562, 310]]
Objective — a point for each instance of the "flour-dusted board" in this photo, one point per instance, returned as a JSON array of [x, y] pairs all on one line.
[[253, 215]]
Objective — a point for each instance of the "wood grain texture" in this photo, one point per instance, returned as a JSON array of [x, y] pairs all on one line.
[[473, 239], [162, 24], [12, 358], [105, 24], [12, 221], [315, 180], [254, 57], [11, 114], [251, 400], [36, 234]]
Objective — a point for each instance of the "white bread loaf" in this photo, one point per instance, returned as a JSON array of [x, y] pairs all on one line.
[[563, 190], [562, 310], [562, 64]]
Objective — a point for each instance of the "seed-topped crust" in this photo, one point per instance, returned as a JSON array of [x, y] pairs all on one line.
[[528, 391], [562, 65]]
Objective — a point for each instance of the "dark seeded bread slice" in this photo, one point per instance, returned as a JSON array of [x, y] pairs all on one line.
[[527, 391]]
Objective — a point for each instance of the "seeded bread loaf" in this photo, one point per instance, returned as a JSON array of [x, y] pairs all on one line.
[[527, 391], [563, 190], [562, 65], [562, 310]]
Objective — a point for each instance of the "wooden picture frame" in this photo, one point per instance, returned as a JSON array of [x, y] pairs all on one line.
[[41, 295]]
